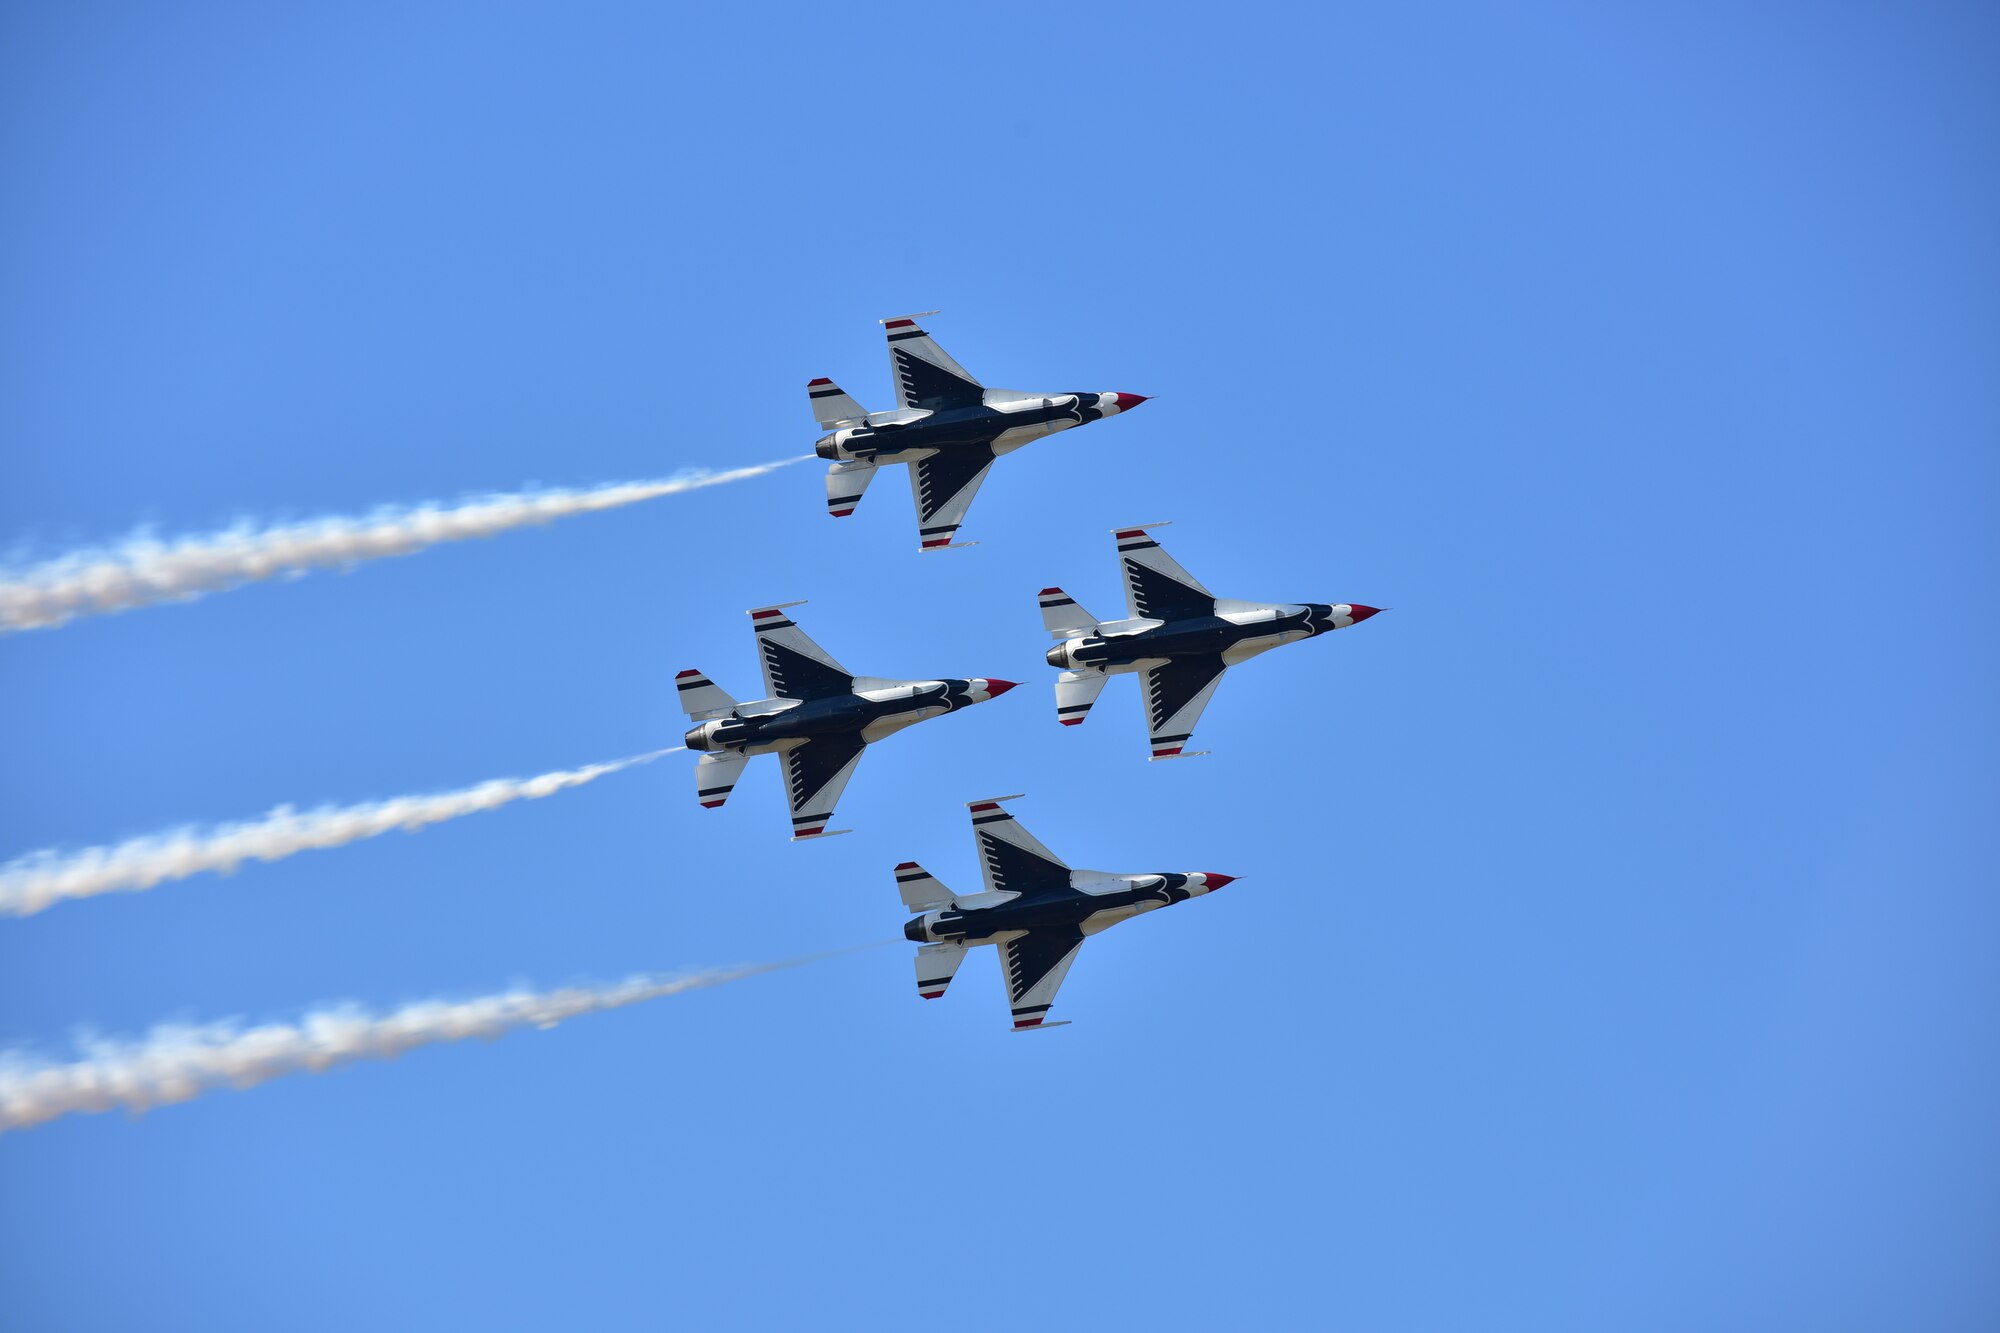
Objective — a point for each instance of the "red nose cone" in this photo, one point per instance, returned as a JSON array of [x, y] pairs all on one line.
[[1216, 881], [996, 688], [1361, 613], [1128, 401]]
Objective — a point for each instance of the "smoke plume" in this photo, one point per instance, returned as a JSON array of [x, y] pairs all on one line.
[[143, 570], [40, 879], [178, 1062]]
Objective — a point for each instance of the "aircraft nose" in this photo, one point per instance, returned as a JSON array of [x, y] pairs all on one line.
[[1125, 402], [993, 687], [1360, 613], [1216, 881]]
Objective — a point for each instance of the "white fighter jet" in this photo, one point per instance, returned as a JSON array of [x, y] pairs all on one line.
[[820, 717], [1180, 639], [1035, 909], [946, 425]]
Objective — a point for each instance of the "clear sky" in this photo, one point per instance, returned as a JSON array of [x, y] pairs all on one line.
[[1614, 947]]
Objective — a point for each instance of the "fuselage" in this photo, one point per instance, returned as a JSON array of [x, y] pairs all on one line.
[[1002, 421], [880, 709], [1234, 634], [1095, 901]]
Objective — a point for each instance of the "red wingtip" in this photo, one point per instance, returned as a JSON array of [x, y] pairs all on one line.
[[710, 805], [683, 675], [906, 865], [821, 380], [1070, 721], [1052, 592]]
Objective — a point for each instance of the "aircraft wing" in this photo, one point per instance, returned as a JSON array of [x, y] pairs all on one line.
[[925, 374], [815, 775], [1036, 964], [794, 666], [1156, 587], [1013, 859], [1176, 692], [943, 485]]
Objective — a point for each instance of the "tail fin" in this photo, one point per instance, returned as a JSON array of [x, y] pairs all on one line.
[[715, 777], [844, 484], [920, 889], [1062, 617], [701, 697], [1076, 691], [832, 407], [936, 965]]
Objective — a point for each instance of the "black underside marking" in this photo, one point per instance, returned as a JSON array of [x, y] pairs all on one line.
[[1017, 869], [811, 766], [796, 676], [1173, 687], [1034, 955], [1158, 597], [928, 386], [941, 479]]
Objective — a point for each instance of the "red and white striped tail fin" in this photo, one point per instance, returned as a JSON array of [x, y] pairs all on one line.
[[844, 484], [1062, 617], [1076, 691], [715, 777], [832, 406], [937, 964], [920, 889], [701, 697]]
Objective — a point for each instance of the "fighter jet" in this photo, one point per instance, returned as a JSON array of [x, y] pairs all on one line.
[[1035, 908], [1181, 638], [947, 426], [820, 716]]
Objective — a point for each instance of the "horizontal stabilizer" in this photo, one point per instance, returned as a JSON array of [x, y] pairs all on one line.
[[715, 777], [1062, 617], [844, 484], [937, 964], [920, 889], [701, 697], [832, 407], [1076, 691]]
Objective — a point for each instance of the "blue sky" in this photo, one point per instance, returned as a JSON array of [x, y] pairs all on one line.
[[1614, 942]]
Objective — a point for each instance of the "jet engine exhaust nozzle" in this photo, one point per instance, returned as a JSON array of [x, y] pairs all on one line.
[[700, 737]]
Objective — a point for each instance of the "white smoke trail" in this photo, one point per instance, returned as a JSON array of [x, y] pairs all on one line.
[[142, 570], [178, 1062], [40, 879]]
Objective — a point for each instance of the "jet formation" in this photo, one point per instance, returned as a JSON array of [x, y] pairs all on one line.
[[1177, 637]]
